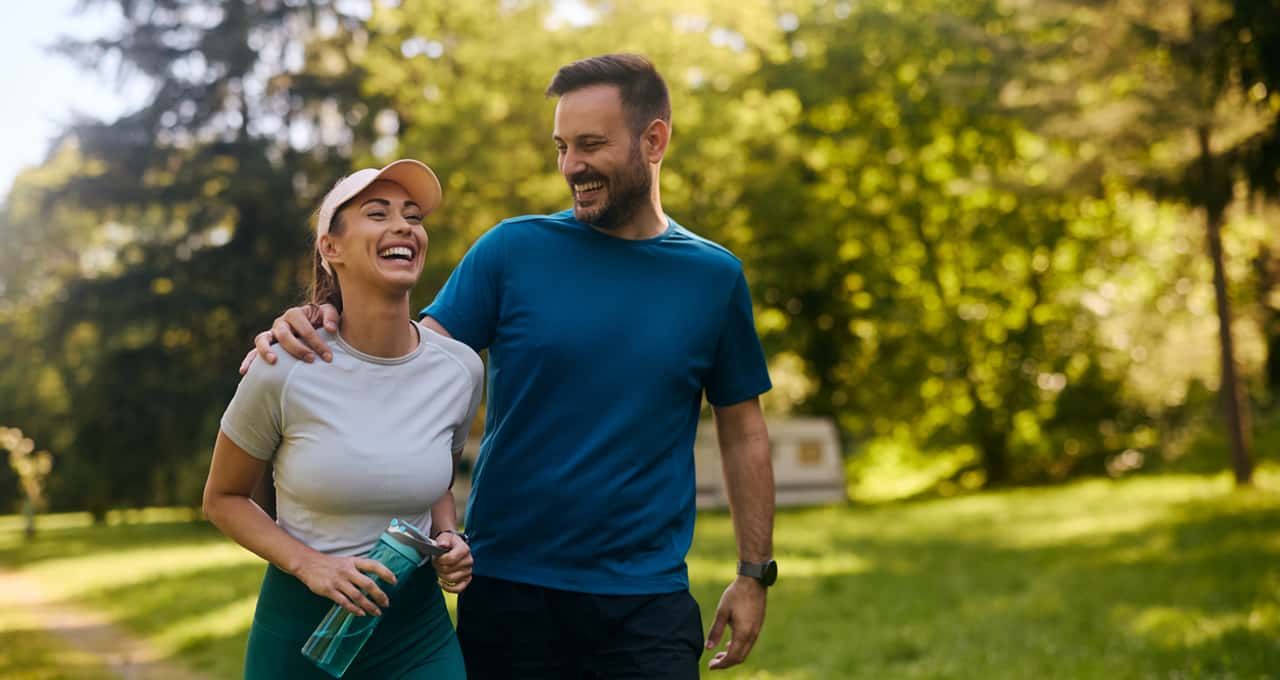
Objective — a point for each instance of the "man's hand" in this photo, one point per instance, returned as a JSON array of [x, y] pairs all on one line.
[[742, 609], [295, 331]]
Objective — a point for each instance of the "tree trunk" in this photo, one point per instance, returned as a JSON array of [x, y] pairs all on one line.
[[29, 519], [1235, 404], [1270, 324], [995, 458], [993, 442], [1273, 359]]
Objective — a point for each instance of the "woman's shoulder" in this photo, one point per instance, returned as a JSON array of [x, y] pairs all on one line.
[[273, 374], [287, 368]]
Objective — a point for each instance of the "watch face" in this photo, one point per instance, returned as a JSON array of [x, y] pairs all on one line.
[[770, 575]]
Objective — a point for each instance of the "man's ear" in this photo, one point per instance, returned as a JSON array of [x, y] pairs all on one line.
[[655, 139], [329, 249]]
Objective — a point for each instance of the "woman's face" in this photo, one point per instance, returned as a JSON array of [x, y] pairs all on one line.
[[382, 240]]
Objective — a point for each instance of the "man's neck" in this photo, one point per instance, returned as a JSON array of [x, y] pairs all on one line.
[[377, 324], [648, 221]]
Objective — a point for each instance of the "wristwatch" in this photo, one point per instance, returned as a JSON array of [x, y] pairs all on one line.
[[764, 572], [465, 538]]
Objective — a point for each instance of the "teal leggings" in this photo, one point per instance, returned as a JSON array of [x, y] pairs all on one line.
[[413, 641]]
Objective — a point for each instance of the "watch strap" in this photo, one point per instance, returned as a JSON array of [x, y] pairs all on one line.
[[764, 572], [465, 538]]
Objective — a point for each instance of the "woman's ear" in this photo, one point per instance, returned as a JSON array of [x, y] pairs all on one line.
[[329, 249]]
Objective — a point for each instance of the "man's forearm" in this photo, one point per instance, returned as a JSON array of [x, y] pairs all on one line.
[[748, 478]]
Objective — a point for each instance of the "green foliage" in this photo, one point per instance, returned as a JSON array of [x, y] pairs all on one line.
[[907, 247], [183, 229], [967, 224], [941, 270]]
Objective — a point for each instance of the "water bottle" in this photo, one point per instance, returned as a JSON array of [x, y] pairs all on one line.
[[341, 635]]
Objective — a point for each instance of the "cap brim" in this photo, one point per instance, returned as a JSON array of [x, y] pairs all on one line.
[[417, 179]]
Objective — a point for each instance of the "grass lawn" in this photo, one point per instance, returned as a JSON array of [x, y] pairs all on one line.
[[30, 654], [1162, 577]]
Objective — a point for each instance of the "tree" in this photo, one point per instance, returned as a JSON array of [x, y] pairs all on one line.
[[943, 207], [1205, 87], [256, 109], [961, 239], [31, 467], [1251, 39]]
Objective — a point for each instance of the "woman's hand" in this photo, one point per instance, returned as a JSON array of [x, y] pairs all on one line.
[[343, 580], [454, 567]]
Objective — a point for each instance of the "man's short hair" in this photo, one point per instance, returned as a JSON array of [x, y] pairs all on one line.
[[644, 92]]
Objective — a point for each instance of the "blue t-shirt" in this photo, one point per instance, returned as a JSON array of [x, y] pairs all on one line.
[[600, 349]]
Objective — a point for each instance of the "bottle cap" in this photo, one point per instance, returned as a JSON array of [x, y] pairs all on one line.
[[411, 537]]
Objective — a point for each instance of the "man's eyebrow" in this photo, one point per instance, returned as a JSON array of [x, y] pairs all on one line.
[[584, 137], [411, 203]]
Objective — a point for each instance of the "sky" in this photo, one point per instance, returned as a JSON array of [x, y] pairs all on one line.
[[43, 91]]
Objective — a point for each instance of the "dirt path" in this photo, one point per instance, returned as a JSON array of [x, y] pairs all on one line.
[[129, 657]]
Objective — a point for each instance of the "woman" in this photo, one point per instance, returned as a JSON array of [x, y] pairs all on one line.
[[373, 436]]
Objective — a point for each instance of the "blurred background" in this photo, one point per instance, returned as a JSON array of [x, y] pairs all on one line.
[[999, 244]]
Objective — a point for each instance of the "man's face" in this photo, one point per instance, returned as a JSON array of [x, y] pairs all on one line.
[[600, 158]]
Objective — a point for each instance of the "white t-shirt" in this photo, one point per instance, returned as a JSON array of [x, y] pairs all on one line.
[[359, 441]]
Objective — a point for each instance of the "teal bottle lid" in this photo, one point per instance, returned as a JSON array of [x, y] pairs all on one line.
[[407, 540]]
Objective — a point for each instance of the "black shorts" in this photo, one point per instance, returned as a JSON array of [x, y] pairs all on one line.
[[515, 630]]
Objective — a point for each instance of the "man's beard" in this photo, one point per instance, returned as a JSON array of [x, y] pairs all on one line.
[[628, 192]]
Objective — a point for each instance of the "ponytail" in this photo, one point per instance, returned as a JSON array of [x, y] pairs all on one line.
[[324, 285], [324, 288]]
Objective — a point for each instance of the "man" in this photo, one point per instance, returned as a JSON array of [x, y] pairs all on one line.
[[605, 325]]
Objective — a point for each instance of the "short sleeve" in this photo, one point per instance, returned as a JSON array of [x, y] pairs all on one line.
[[468, 305], [463, 430], [738, 371], [254, 419]]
